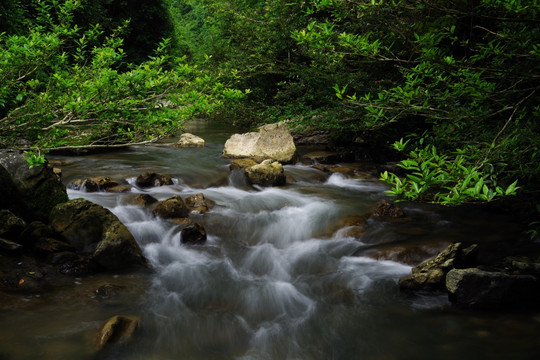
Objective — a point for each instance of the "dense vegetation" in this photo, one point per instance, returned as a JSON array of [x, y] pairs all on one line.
[[68, 83], [453, 84]]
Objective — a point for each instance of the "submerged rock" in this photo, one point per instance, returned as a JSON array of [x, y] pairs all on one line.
[[151, 179], [32, 193], [487, 290], [188, 140], [267, 173], [92, 229], [119, 189], [107, 291], [143, 200], [386, 210], [351, 226], [117, 329], [272, 141], [173, 207]]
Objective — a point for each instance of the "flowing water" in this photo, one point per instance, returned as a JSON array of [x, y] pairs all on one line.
[[275, 280]]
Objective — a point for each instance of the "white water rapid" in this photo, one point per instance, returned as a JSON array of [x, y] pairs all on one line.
[[271, 271]]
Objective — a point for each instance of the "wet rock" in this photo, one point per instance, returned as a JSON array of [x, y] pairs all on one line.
[[523, 265], [143, 200], [431, 275], [197, 203], [327, 157], [346, 170], [57, 172], [486, 290], [117, 329], [272, 141], [173, 207], [10, 247], [93, 184], [77, 267], [193, 234], [182, 222], [92, 229], [387, 211], [188, 140], [237, 164], [352, 231], [100, 183], [152, 179], [108, 290], [32, 193], [11, 226], [321, 167], [119, 189], [36, 231], [76, 184], [352, 220], [46, 246], [267, 173], [351, 226]]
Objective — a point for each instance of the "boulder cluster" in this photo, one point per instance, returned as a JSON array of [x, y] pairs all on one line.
[[44, 236], [175, 208], [481, 276], [511, 283], [261, 155]]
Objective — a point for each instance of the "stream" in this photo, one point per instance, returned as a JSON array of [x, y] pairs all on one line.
[[275, 280]]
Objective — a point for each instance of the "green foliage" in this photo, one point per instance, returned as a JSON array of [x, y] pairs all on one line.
[[443, 179], [464, 71], [62, 86], [34, 158]]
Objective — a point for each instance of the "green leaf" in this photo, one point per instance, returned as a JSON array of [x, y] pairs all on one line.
[[511, 189]]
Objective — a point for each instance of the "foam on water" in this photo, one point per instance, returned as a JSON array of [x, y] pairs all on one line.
[[339, 180]]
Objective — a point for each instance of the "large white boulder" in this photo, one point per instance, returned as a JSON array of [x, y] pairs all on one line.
[[272, 141]]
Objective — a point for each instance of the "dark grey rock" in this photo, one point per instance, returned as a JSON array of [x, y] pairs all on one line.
[[486, 290]]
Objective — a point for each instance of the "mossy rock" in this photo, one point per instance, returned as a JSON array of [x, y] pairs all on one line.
[[30, 193], [92, 229]]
